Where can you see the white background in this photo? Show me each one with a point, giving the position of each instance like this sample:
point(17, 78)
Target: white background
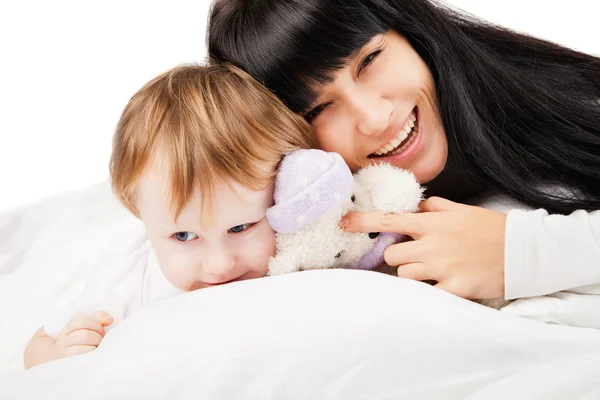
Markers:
point(68, 67)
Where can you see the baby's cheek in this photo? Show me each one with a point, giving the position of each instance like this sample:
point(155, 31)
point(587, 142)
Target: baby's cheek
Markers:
point(181, 278)
point(262, 248)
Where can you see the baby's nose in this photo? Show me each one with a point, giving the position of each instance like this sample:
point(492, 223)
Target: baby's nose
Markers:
point(219, 265)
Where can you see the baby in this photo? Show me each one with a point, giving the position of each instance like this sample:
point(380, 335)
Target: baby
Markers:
point(194, 158)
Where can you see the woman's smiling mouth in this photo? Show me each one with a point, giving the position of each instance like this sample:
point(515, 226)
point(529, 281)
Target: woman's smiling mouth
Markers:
point(403, 139)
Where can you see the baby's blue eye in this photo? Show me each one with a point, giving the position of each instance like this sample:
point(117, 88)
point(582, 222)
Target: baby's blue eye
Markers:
point(185, 236)
point(239, 228)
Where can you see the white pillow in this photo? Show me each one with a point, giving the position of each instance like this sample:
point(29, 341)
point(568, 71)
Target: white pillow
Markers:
point(333, 334)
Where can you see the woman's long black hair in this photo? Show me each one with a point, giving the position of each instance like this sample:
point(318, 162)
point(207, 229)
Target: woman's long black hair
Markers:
point(521, 114)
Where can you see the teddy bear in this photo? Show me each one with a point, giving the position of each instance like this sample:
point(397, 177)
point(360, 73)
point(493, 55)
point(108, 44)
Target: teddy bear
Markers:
point(314, 189)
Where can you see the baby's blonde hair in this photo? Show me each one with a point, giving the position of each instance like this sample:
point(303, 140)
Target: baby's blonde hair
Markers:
point(204, 123)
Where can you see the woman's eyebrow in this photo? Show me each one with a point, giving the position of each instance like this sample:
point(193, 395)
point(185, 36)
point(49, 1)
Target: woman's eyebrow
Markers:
point(382, 38)
point(378, 41)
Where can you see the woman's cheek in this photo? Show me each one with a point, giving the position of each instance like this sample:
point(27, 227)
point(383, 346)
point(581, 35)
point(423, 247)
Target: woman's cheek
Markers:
point(336, 135)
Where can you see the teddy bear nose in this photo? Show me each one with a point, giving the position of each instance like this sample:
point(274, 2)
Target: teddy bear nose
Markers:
point(373, 235)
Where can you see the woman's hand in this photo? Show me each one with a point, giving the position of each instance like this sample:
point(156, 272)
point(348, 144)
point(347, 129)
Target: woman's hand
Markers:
point(461, 247)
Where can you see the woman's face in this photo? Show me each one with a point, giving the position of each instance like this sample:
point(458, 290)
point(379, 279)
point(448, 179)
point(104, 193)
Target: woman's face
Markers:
point(381, 107)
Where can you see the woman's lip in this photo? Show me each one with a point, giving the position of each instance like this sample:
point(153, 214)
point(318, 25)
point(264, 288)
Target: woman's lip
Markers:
point(410, 149)
point(394, 132)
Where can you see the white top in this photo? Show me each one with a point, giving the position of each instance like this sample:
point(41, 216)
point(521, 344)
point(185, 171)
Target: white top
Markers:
point(551, 253)
point(552, 262)
point(126, 279)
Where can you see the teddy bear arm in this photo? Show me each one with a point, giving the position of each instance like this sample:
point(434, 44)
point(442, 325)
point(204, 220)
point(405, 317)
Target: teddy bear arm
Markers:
point(283, 263)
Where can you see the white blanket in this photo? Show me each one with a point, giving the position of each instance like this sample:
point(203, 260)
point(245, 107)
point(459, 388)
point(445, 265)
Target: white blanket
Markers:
point(324, 335)
point(47, 251)
point(312, 335)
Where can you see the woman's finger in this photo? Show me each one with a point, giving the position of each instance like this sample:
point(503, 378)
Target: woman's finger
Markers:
point(402, 253)
point(415, 271)
point(407, 223)
point(450, 287)
point(434, 204)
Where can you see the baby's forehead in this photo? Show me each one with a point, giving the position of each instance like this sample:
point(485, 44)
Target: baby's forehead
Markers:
point(154, 181)
point(230, 199)
point(232, 204)
point(246, 194)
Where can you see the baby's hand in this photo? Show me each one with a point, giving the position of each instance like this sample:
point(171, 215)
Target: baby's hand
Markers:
point(82, 334)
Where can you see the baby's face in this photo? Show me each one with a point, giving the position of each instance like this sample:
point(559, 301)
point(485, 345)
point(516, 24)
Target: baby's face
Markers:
point(195, 252)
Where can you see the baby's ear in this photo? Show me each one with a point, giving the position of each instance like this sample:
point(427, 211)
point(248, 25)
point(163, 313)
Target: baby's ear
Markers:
point(390, 189)
point(282, 263)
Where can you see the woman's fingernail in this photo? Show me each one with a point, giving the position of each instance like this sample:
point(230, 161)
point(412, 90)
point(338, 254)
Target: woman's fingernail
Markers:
point(344, 222)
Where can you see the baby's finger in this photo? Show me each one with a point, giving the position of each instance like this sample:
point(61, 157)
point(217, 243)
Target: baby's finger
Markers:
point(84, 337)
point(84, 322)
point(407, 223)
point(415, 271)
point(75, 350)
point(105, 318)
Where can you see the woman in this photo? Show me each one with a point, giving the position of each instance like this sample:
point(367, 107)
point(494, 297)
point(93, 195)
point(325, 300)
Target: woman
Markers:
point(469, 107)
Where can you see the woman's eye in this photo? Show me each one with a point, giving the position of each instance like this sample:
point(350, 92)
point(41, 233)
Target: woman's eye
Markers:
point(312, 114)
point(367, 60)
point(185, 236)
point(239, 228)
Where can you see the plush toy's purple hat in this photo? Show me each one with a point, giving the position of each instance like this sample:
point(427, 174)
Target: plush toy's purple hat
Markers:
point(309, 183)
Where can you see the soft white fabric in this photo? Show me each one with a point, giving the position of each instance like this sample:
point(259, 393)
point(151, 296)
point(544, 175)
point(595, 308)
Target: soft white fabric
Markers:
point(566, 308)
point(126, 279)
point(333, 334)
point(47, 251)
point(549, 253)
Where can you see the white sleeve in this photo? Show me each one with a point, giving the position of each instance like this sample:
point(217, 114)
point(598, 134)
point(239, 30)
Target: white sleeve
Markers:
point(549, 253)
point(102, 291)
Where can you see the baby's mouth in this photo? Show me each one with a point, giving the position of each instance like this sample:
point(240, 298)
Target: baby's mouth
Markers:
point(403, 139)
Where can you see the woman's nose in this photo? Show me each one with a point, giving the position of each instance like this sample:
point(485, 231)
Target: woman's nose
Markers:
point(372, 114)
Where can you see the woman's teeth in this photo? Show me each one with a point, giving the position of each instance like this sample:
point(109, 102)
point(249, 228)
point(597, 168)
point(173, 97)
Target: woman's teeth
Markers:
point(404, 137)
